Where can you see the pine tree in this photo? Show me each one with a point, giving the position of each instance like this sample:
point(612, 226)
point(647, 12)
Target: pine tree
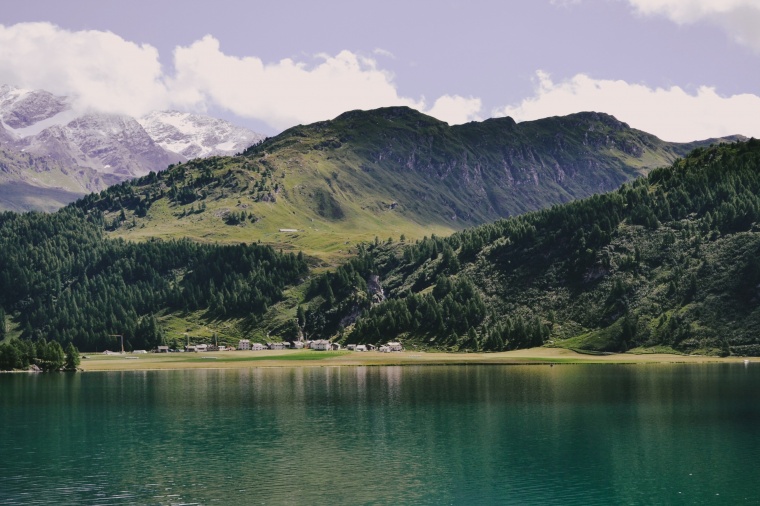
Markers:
point(72, 358)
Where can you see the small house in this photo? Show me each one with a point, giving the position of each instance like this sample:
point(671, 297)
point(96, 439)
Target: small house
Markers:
point(257, 347)
point(395, 346)
point(334, 346)
point(321, 345)
point(361, 347)
point(278, 346)
point(351, 347)
point(201, 347)
point(191, 347)
point(297, 345)
point(162, 349)
point(384, 349)
point(244, 344)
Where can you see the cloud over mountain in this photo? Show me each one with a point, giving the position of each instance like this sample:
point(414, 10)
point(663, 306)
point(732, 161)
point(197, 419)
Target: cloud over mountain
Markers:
point(103, 72)
point(671, 113)
point(99, 70)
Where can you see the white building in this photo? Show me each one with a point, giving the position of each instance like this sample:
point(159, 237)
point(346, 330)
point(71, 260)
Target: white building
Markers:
point(361, 347)
point(244, 344)
point(257, 347)
point(321, 345)
point(395, 346)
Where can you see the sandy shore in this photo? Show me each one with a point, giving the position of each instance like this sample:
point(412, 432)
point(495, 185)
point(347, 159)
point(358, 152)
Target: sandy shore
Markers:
point(309, 358)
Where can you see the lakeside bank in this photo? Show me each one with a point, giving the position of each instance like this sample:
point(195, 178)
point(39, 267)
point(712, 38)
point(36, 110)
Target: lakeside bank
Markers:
point(311, 358)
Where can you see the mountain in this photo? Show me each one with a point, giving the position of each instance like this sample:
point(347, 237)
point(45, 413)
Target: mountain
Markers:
point(20, 108)
point(28, 181)
point(322, 188)
point(670, 261)
point(196, 136)
point(115, 146)
point(73, 154)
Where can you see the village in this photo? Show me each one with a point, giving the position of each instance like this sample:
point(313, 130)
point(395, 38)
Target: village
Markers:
point(318, 345)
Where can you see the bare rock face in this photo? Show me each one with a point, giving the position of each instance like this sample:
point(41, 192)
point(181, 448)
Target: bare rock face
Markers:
point(109, 144)
point(5, 137)
point(23, 108)
point(375, 288)
point(197, 136)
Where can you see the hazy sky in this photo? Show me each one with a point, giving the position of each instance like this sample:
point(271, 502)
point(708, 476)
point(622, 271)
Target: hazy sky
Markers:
point(681, 69)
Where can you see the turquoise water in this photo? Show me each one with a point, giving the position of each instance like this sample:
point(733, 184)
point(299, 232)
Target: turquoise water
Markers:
point(568, 434)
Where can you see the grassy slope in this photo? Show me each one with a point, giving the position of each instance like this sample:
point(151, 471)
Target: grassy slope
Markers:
point(393, 172)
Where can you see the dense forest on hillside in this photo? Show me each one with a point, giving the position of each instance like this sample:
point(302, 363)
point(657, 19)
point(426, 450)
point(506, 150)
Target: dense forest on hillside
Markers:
point(670, 260)
point(64, 281)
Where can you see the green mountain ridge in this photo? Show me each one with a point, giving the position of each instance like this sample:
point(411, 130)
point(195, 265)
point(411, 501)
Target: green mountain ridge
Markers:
point(669, 261)
point(387, 172)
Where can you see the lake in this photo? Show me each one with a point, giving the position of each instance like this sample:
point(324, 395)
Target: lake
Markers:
point(567, 434)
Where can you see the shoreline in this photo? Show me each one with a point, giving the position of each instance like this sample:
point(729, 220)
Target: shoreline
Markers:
point(310, 358)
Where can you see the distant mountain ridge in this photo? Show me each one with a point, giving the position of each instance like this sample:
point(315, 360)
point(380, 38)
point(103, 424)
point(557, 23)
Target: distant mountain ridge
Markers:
point(89, 152)
point(386, 172)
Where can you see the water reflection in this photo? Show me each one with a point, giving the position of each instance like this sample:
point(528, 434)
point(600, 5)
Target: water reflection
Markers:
point(595, 434)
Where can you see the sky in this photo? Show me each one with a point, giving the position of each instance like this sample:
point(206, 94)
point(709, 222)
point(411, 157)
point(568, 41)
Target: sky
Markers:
point(680, 69)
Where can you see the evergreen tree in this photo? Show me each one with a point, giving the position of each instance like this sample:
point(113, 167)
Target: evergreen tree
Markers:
point(72, 358)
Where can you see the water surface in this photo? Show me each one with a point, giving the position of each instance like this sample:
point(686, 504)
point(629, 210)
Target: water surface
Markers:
point(568, 434)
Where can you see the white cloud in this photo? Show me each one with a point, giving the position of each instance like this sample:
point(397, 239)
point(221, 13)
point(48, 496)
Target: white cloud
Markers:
point(456, 110)
point(290, 92)
point(99, 70)
point(282, 93)
point(671, 114)
point(104, 72)
point(740, 18)
point(384, 52)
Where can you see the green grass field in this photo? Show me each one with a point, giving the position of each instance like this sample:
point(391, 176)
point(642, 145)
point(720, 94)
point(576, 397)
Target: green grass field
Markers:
point(311, 358)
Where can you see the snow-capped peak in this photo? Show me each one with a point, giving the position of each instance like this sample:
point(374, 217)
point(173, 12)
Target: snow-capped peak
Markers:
point(195, 135)
point(27, 112)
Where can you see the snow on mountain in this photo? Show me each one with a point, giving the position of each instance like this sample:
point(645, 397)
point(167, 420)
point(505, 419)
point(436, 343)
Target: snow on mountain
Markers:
point(21, 108)
point(109, 144)
point(49, 146)
point(197, 136)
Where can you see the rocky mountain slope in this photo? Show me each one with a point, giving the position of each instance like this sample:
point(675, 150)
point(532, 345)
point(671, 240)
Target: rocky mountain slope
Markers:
point(388, 172)
point(72, 154)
